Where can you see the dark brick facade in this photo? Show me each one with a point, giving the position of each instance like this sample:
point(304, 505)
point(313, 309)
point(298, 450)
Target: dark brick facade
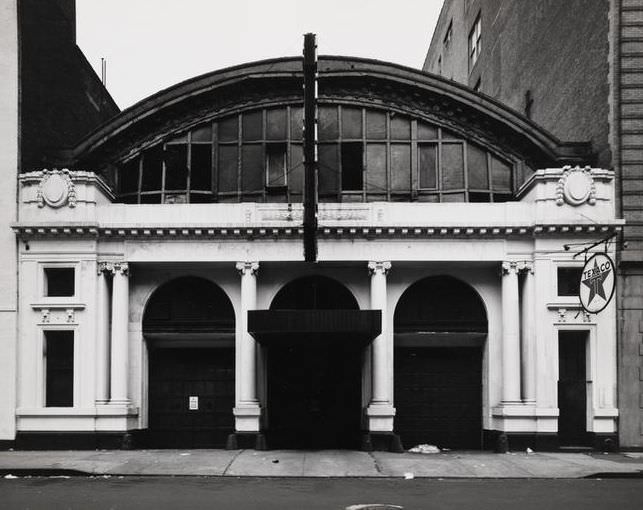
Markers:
point(576, 68)
point(61, 98)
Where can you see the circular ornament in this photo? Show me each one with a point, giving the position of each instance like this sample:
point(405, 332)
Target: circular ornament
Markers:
point(597, 283)
point(56, 189)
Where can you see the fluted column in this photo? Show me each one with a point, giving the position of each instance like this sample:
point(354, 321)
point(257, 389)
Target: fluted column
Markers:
point(381, 410)
point(528, 335)
point(102, 334)
point(247, 412)
point(120, 326)
point(510, 334)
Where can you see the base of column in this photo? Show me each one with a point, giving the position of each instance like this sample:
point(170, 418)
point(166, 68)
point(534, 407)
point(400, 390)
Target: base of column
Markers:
point(380, 417)
point(246, 441)
point(382, 442)
point(247, 418)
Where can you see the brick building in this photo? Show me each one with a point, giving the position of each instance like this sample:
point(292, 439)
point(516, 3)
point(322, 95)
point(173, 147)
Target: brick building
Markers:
point(575, 68)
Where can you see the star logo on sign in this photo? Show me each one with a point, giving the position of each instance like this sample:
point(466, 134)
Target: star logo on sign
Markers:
point(595, 282)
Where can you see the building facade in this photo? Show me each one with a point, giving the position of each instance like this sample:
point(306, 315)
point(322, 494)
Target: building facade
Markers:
point(163, 299)
point(50, 98)
point(579, 79)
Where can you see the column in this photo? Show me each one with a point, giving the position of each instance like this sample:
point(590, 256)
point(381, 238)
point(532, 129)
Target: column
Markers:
point(247, 412)
point(510, 334)
point(102, 334)
point(380, 410)
point(120, 336)
point(528, 335)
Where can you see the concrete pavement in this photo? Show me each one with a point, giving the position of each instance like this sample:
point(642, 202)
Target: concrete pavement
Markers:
point(327, 463)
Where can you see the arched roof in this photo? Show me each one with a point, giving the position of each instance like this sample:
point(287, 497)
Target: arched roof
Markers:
point(361, 81)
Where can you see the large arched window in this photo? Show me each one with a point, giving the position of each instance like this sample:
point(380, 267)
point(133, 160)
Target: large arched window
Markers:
point(364, 154)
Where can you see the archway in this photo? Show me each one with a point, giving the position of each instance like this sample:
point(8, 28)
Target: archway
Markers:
point(189, 328)
point(314, 378)
point(440, 328)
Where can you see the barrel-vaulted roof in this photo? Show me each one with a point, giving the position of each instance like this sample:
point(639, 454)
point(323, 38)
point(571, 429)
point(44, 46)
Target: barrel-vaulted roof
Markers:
point(341, 79)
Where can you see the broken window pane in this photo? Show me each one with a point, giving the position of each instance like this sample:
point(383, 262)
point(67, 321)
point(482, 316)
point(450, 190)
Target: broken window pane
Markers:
point(176, 167)
point(296, 169)
point(276, 164)
point(352, 171)
point(328, 168)
point(152, 169)
point(128, 176)
point(252, 168)
point(201, 167)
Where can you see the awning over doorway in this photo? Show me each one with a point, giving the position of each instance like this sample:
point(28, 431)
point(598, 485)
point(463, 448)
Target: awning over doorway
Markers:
point(276, 326)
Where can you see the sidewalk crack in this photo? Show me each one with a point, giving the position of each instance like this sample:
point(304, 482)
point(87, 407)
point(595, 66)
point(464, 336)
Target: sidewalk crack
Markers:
point(225, 471)
point(378, 468)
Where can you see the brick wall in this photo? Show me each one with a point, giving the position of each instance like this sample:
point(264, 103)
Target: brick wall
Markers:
point(62, 99)
point(628, 81)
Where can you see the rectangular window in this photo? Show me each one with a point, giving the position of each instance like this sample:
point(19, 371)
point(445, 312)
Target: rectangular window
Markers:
point(400, 167)
point(228, 168)
point(59, 368)
point(352, 168)
point(252, 167)
point(448, 35)
point(452, 163)
point(176, 167)
point(128, 176)
point(201, 167)
point(376, 167)
point(59, 281)
point(428, 165)
point(328, 169)
point(475, 42)
point(569, 280)
point(275, 165)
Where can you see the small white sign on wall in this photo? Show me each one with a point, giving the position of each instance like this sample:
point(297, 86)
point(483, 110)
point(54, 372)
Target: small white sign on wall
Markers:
point(193, 403)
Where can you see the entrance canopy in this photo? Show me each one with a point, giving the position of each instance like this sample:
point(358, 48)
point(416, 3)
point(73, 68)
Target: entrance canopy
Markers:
point(279, 326)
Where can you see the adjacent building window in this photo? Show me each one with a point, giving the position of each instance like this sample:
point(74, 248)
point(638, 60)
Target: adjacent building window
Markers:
point(475, 42)
point(448, 35)
point(569, 280)
point(59, 281)
point(59, 368)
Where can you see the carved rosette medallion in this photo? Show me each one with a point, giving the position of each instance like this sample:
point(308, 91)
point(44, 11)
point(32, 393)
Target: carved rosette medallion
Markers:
point(56, 189)
point(576, 186)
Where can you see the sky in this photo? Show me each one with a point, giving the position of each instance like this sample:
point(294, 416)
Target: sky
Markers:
point(150, 45)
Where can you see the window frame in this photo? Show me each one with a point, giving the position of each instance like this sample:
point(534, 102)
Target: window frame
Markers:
point(45, 366)
point(43, 280)
point(474, 45)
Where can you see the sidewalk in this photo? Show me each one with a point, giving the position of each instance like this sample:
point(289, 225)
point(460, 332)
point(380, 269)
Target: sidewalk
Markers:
point(328, 463)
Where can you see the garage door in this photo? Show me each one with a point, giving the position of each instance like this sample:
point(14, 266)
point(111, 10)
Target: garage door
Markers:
point(191, 397)
point(438, 396)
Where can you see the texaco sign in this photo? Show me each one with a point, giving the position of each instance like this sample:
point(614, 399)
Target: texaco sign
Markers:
point(597, 283)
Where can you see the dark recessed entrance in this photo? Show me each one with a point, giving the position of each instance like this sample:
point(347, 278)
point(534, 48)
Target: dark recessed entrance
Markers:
point(440, 329)
point(572, 388)
point(314, 377)
point(189, 328)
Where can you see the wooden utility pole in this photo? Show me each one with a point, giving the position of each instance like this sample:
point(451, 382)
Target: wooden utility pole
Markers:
point(310, 148)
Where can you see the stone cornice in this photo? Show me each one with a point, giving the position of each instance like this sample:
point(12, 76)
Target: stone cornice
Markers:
point(250, 232)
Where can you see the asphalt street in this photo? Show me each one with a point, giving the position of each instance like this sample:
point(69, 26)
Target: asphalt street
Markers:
point(302, 494)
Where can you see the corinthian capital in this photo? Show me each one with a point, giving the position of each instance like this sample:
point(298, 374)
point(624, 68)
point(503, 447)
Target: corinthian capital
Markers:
point(509, 267)
point(379, 267)
point(248, 268)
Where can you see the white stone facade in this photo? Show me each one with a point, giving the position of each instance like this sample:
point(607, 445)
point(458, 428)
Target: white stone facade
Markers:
point(508, 252)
